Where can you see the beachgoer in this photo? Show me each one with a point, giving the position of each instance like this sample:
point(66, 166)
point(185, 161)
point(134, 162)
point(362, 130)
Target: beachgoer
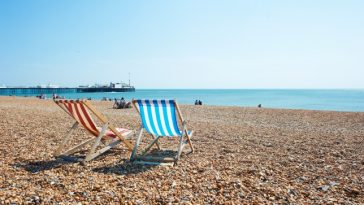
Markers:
point(116, 104)
point(128, 105)
point(200, 102)
point(196, 102)
point(260, 106)
point(122, 103)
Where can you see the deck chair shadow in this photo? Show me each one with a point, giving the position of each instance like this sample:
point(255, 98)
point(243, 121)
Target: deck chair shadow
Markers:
point(108, 135)
point(159, 119)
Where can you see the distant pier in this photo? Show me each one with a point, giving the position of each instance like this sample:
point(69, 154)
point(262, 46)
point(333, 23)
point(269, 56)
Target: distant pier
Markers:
point(34, 91)
point(105, 89)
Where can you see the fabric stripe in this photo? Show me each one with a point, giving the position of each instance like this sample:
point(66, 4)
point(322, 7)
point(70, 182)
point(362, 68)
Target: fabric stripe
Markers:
point(158, 116)
point(68, 108)
point(161, 115)
point(74, 110)
point(82, 120)
point(170, 119)
point(155, 118)
point(143, 113)
point(147, 117)
point(88, 117)
point(84, 116)
point(150, 115)
point(166, 119)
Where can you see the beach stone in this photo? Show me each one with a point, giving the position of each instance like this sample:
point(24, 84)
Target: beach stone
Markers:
point(232, 163)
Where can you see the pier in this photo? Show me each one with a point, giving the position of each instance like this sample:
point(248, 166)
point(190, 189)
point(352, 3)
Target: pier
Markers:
point(105, 89)
point(35, 91)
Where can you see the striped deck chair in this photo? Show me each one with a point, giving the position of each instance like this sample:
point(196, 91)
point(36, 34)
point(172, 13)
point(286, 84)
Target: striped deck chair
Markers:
point(159, 118)
point(79, 111)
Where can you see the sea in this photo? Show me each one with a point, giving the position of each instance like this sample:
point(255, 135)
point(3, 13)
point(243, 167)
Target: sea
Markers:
point(310, 99)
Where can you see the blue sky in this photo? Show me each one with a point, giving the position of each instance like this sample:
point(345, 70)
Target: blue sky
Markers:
point(183, 44)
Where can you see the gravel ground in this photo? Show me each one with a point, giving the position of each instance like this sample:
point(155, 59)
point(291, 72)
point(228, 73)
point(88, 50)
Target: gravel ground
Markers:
point(242, 156)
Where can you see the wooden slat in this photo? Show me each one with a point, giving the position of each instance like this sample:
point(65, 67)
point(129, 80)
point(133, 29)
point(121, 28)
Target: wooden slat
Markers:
point(154, 163)
point(103, 150)
point(149, 146)
point(181, 144)
point(157, 143)
point(66, 139)
point(133, 154)
point(189, 139)
point(77, 147)
point(178, 111)
point(97, 142)
point(159, 159)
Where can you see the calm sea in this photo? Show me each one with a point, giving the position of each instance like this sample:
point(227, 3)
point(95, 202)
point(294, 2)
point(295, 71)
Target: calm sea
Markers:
point(339, 100)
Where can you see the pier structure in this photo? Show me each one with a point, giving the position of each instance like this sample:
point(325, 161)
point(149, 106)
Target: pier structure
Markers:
point(105, 89)
point(35, 91)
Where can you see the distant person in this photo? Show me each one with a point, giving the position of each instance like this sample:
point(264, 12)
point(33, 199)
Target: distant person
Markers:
point(196, 102)
point(122, 103)
point(128, 105)
point(116, 103)
point(260, 106)
point(200, 102)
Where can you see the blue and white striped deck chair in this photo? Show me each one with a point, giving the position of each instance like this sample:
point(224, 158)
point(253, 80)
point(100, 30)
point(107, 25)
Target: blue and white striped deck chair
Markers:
point(159, 118)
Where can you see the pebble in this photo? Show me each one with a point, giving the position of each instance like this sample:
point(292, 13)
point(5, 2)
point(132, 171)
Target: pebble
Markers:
point(242, 156)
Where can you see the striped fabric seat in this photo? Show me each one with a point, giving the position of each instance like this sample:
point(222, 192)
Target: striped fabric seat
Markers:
point(80, 113)
point(77, 110)
point(159, 117)
point(104, 138)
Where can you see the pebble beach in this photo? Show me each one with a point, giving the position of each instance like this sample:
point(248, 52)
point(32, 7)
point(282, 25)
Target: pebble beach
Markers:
point(243, 155)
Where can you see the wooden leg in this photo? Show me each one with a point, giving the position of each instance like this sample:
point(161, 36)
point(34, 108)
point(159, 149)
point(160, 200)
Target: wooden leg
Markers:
point(66, 139)
point(189, 136)
point(133, 154)
point(181, 144)
point(180, 148)
point(101, 151)
point(97, 142)
point(77, 147)
point(149, 146)
point(157, 143)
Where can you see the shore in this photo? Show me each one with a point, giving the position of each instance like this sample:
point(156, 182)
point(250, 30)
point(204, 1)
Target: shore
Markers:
point(242, 155)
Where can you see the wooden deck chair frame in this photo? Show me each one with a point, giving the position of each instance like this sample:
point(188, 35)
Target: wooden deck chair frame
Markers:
point(185, 138)
point(96, 140)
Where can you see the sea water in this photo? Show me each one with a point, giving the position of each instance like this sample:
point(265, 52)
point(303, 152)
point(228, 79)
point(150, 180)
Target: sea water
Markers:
point(313, 99)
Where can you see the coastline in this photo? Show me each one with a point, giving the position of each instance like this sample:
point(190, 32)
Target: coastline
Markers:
point(243, 155)
point(184, 104)
point(300, 99)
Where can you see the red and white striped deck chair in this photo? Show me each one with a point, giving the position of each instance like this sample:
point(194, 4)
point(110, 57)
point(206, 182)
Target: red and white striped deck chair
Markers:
point(79, 110)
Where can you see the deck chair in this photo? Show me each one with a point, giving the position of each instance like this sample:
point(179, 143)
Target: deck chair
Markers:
point(107, 134)
point(159, 119)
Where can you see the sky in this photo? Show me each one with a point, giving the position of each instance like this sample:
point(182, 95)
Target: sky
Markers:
point(183, 44)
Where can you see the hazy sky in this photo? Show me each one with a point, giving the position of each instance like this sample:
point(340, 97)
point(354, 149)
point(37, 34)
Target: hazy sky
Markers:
point(183, 44)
